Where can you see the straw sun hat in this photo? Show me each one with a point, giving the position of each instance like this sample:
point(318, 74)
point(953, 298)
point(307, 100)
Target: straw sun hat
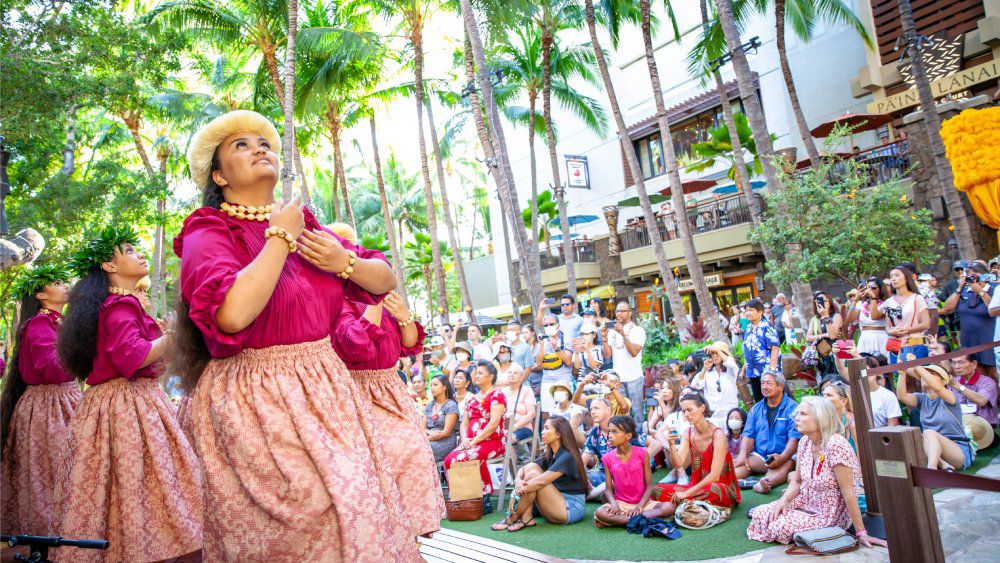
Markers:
point(208, 138)
point(720, 347)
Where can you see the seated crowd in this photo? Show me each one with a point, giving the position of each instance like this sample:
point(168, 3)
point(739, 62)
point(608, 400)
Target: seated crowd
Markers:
point(717, 422)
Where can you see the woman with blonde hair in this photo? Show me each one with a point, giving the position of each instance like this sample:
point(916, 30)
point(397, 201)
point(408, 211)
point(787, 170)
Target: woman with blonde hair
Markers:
point(839, 394)
point(822, 491)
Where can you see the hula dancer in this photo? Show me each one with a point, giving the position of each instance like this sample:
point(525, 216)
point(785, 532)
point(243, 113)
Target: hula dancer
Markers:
point(129, 474)
point(371, 343)
point(291, 473)
point(37, 403)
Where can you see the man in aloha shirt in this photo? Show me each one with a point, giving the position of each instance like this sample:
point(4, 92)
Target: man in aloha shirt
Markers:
point(761, 347)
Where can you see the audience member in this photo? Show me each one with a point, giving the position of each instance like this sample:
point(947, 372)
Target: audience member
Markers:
point(522, 352)
point(717, 382)
point(945, 443)
point(628, 479)
point(907, 319)
point(666, 424)
point(770, 437)
point(704, 448)
point(503, 358)
point(461, 358)
point(441, 416)
point(461, 380)
point(761, 349)
point(587, 355)
point(735, 421)
point(530, 339)
point(555, 484)
point(822, 491)
point(824, 331)
point(596, 445)
point(520, 403)
point(839, 395)
point(977, 393)
point(605, 385)
point(564, 407)
point(480, 350)
point(971, 303)
point(623, 344)
point(482, 432)
point(555, 359)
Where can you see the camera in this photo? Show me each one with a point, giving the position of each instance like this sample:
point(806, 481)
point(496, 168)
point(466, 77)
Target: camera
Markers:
point(972, 277)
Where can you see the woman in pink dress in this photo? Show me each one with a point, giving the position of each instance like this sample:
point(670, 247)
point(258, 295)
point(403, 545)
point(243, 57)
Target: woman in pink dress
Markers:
point(822, 490)
point(128, 473)
point(483, 435)
point(38, 400)
point(293, 471)
point(371, 339)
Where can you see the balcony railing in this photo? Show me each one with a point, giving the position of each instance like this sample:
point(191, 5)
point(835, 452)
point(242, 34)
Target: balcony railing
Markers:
point(883, 163)
point(708, 216)
point(583, 251)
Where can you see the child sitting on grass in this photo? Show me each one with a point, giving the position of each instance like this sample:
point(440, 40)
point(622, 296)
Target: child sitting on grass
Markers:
point(628, 477)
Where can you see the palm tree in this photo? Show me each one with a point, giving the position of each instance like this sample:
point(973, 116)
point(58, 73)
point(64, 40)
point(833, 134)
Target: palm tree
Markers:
point(932, 122)
point(397, 259)
point(673, 295)
point(495, 146)
point(419, 260)
point(758, 126)
point(719, 146)
point(707, 305)
point(531, 75)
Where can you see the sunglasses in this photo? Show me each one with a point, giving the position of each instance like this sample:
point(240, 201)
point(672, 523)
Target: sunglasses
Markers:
point(550, 324)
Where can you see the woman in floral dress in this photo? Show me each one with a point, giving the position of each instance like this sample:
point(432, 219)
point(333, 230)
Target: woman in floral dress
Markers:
point(822, 490)
point(483, 436)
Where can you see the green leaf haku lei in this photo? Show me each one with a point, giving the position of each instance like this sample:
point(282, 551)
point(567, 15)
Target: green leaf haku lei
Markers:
point(102, 249)
point(34, 279)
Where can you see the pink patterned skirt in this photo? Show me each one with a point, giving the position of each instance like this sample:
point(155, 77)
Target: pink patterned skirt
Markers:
point(291, 471)
point(184, 418)
point(398, 427)
point(38, 430)
point(128, 476)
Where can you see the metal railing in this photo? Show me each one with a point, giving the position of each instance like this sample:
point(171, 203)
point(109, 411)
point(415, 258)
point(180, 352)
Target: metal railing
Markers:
point(706, 217)
point(583, 251)
point(883, 163)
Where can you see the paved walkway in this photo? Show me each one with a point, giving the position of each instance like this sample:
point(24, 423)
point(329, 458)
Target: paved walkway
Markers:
point(969, 521)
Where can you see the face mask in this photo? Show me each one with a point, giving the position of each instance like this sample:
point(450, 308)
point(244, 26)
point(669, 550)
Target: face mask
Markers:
point(512, 335)
point(504, 358)
point(735, 424)
point(551, 331)
point(560, 396)
point(462, 356)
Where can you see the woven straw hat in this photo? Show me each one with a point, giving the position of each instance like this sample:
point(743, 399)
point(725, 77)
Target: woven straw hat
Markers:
point(208, 138)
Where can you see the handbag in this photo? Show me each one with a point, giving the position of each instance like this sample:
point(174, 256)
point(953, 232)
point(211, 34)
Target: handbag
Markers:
point(810, 358)
point(700, 515)
point(823, 541)
point(893, 345)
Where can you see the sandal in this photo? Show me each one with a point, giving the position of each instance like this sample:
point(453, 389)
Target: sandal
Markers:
point(521, 524)
point(500, 526)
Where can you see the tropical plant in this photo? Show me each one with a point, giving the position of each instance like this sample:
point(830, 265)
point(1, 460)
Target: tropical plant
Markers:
point(719, 147)
point(548, 211)
point(418, 263)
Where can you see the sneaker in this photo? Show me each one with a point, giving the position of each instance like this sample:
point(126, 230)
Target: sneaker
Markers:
point(683, 480)
point(670, 479)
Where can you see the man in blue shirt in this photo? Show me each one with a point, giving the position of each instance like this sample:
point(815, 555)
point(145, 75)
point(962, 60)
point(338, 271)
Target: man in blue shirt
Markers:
point(761, 348)
point(769, 436)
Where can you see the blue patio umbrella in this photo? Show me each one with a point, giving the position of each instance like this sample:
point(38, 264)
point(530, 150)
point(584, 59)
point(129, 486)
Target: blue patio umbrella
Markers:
point(575, 220)
point(571, 236)
point(756, 185)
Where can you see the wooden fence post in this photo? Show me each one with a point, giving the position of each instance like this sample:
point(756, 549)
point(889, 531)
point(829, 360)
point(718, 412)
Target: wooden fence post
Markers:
point(862, 403)
point(910, 516)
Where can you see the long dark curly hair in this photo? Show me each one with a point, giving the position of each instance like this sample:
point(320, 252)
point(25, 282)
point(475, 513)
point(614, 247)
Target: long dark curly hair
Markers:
point(77, 342)
point(190, 355)
point(13, 384)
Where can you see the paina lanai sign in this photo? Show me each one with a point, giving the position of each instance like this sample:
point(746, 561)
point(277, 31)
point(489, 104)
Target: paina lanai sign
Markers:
point(951, 84)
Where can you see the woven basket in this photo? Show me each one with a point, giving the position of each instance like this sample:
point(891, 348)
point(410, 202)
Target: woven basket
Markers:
point(464, 510)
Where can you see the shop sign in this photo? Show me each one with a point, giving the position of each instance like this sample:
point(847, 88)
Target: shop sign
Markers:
point(951, 84)
point(577, 173)
point(711, 280)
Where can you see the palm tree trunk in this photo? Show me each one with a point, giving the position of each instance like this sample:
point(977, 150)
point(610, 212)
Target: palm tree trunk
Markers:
point(158, 293)
point(673, 295)
point(497, 155)
point(709, 311)
point(271, 62)
point(512, 280)
point(532, 98)
point(793, 96)
point(416, 39)
point(550, 139)
point(762, 138)
point(397, 258)
point(69, 149)
point(133, 122)
point(932, 122)
point(340, 170)
point(430, 294)
point(333, 194)
point(301, 176)
point(288, 103)
point(742, 177)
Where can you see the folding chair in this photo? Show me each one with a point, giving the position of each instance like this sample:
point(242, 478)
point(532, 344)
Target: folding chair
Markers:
point(510, 462)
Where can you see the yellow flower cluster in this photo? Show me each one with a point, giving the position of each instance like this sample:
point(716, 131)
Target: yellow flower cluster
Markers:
point(972, 143)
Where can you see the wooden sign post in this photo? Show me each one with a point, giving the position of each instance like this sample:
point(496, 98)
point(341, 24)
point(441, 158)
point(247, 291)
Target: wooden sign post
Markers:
point(861, 401)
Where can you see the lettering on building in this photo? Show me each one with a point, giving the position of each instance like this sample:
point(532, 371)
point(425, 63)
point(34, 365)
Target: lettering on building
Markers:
point(951, 84)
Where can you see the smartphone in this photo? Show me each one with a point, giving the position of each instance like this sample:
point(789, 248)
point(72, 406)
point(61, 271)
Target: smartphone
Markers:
point(427, 357)
point(609, 324)
point(550, 301)
point(769, 460)
point(988, 278)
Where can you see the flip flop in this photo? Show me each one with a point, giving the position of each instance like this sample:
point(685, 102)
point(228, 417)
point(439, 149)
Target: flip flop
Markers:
point(521, 524)
point(500, 526)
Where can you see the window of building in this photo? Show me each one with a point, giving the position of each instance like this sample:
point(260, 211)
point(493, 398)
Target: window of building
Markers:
point(685, 134)
point(650, 153)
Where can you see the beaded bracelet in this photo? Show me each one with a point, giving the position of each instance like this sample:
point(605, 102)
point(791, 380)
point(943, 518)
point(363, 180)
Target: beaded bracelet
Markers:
point(352, 259)
point(293, 246)
point(407, 322)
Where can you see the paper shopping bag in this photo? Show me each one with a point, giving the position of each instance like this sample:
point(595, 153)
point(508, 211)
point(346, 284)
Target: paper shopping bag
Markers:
point(463, 480)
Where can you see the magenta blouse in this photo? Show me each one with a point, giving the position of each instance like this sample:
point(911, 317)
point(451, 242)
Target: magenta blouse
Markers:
point(37, 361)
point(125, 334)
point(363, 345)
point(214, 247)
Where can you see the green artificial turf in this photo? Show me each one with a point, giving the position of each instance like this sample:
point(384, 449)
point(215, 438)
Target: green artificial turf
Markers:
point(584, 541)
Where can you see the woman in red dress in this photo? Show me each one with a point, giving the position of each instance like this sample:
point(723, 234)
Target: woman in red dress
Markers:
point(128, 474)
point(704, 446)
point(292, 469)
point(483, 435)
point(37, 403)
point(371, 339)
